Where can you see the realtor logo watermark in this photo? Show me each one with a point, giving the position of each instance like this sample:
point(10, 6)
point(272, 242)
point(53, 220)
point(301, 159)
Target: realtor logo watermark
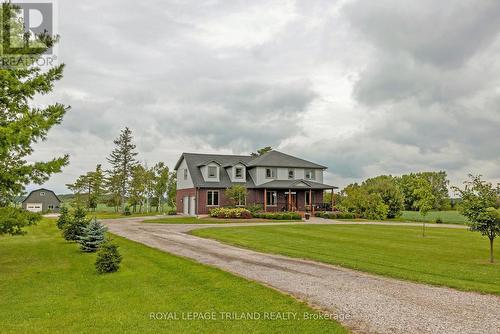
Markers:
point(24, 23)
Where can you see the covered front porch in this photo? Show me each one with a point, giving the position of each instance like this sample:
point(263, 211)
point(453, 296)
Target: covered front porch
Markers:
point(302, 196)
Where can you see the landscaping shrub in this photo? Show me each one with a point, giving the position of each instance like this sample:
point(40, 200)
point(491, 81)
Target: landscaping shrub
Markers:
point(254, 209)
point(108, 258)
point(12, 220)
point(439, 221)
point(172, 212)
point(93, 236)
point(234, 213)
point(336, 215)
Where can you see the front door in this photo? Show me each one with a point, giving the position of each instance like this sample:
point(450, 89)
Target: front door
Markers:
point(291, 199)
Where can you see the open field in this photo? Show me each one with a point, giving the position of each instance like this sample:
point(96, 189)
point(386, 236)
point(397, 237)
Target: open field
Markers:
point(448, 217)
point(194, 220)
point(451, 257)
point(47, 285)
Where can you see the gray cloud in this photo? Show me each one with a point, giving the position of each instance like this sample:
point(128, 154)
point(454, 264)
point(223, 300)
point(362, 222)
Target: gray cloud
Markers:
point(365, 87)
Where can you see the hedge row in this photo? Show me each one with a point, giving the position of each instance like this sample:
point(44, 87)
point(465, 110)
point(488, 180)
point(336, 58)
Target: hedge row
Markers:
point(336, 215)
point(278, 215)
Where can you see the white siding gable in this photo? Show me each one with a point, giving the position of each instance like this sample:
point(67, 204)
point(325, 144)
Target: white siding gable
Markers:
point(231, 171)
point(205, 172)
point(181, 182)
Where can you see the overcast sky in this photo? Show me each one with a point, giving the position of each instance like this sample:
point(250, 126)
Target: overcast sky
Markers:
point(364, 87)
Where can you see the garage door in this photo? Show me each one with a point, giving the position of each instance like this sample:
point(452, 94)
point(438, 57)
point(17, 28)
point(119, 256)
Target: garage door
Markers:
point(185, 205)
point(192, 205)
point(34, 207)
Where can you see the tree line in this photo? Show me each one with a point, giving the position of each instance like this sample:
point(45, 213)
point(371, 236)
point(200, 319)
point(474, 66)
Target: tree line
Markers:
point(127, 183)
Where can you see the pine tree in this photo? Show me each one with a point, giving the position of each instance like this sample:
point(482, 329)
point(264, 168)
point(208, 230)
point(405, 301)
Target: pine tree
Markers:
point(22, 123)
point(74, 228)
point(108, 259)
point(122, 160)
point(64, 218)
point(93, 235)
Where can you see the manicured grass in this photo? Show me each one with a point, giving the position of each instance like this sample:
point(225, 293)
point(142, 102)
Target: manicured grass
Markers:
point(48, 286)
point(194, 220)
point(456, 258)
point(448, 217)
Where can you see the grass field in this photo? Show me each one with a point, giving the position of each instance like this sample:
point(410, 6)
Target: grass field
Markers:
point(194, 220)
point(448, 217)
point(452, 257)
point(48, 286)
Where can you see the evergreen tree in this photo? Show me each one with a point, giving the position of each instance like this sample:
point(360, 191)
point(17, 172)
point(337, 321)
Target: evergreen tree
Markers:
point(64, 218)
point(73, 230)
point(108, 258)
point(22, 123)
point(97, 186)
point(122, 160)
point(93, 235)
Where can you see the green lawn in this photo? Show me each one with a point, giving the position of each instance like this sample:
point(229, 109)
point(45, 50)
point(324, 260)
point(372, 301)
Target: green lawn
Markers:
point(448, 217)
point(194, 220)
point(453, 257)
point(48, 286)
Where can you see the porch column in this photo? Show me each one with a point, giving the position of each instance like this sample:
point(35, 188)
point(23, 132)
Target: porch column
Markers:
point(289, 200)
point(265, 200)
point(310, 200)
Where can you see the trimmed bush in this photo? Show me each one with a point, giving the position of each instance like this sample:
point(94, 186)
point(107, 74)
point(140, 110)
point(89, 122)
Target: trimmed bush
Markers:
point(233, 213)
point(336, 215)
point(172, 212)
point(108, 259)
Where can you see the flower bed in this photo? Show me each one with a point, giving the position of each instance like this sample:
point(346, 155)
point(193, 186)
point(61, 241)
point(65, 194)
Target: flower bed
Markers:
point(234, 213)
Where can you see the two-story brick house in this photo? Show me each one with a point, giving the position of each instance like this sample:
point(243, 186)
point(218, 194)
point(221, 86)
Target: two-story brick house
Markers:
point(274, 180)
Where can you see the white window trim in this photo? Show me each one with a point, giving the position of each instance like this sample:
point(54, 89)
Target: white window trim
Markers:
point(236, 174)
point(218, 198)
point(267, 197)
point(312, 175)
point(244, 201)
point(208, 172)
point(273, 173)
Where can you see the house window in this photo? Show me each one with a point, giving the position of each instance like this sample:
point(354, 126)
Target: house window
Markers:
point(291, 174)
point(42, 193)
point(212, 172)
point(185, 174)
point(242, 200)
point(271, 198)
point(309, 174)
point(238, 173)
point(270, 173)
point(212, 198)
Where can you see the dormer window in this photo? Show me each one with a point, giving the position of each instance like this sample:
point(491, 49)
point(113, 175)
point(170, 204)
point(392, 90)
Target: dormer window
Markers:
point(270, 173)
point(309, 173)
point(212, 172)
point(291, 174)
point(238, 173)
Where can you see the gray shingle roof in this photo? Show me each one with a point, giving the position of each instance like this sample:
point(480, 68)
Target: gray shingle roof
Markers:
point(296, 184)
point(195, 160)
point(270, 159)
point(278, 159)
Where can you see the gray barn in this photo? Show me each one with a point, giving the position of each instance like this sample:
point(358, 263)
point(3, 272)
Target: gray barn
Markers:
point(41, 200)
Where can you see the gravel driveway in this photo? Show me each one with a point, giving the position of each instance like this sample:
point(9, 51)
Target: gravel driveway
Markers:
point(366, 303)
